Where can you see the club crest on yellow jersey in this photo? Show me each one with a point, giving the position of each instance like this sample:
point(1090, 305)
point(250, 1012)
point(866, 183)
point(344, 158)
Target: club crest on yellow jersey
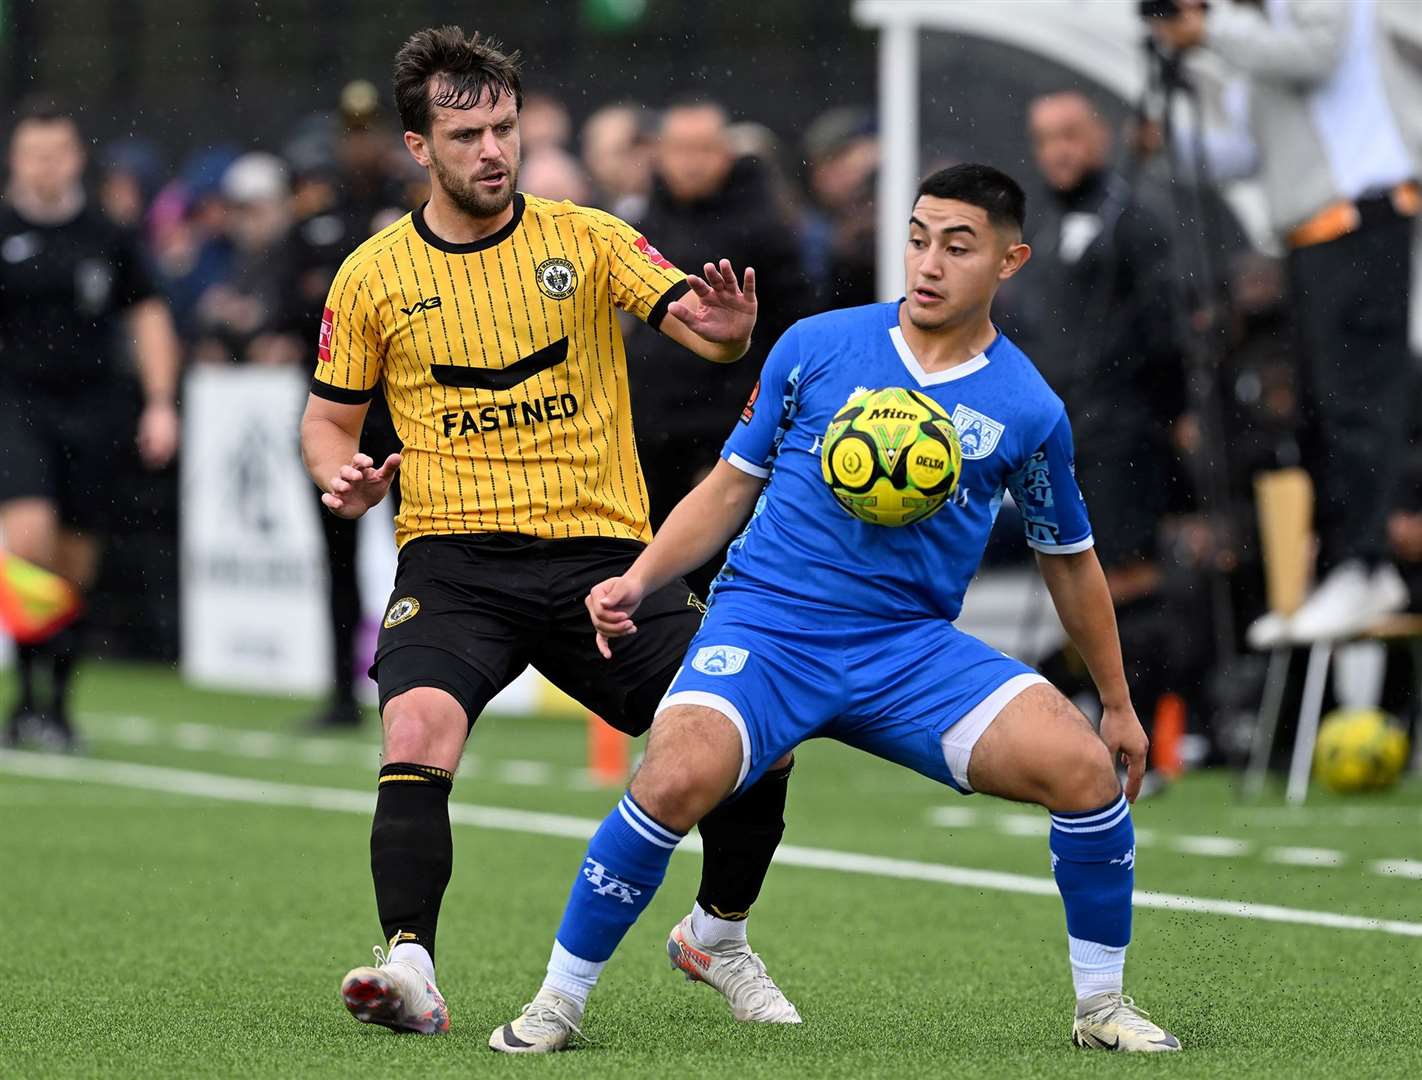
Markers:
point(557, 278)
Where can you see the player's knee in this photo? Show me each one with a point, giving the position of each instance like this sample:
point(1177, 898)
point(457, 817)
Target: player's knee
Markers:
point(426, 726)
point(1086, 780)
point(676, 793)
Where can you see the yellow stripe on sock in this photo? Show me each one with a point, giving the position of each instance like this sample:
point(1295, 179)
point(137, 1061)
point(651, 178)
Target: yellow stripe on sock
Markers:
point(405, 776)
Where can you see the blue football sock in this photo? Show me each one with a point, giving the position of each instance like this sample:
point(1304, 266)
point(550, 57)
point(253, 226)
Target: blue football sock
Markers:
point(626, 861)
point(1093, 860)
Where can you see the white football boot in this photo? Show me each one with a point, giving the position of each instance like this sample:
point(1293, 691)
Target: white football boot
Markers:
point(735, 972)
point(1348, 601)
point(546, 1025)
point(1111, 1021)
point(395, 994)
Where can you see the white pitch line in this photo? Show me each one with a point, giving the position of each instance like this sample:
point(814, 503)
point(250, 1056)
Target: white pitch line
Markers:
point(1305, 856)
point(266, 793)
point(1408, 868)
point(1223, 847)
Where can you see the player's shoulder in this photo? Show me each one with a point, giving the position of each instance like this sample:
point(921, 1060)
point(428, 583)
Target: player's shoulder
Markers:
point(573, 215)
point(1022, 386)
point(364, 261)
point(841, 326)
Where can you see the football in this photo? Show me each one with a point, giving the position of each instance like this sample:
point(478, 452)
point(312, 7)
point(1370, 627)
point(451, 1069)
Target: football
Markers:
point(891, 457)
point(1359, 750)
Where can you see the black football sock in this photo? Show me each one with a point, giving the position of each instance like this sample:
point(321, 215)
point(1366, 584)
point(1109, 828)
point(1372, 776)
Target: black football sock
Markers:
point(738, 840)
point(411, 851)
point(27, 660)
point(64, 650)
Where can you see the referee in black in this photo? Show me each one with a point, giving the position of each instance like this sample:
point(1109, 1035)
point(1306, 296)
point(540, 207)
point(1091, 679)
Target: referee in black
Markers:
point(73, 291)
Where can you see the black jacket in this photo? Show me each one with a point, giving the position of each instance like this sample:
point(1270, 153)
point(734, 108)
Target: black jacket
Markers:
point(675, 394)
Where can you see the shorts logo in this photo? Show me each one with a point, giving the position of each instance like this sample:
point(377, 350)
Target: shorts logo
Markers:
point(655, 257)
point(557, 278)
point(720, 660)
point(323, 344)
point(978, 434)
point(694, 601)
point(403, 610)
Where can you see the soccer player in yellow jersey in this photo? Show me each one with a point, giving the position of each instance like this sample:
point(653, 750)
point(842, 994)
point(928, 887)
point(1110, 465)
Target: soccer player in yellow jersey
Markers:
point(488, 318)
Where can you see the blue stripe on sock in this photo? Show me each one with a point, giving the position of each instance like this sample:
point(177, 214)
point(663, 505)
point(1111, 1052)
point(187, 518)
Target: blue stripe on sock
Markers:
point(651, 822)
point(1085, 817)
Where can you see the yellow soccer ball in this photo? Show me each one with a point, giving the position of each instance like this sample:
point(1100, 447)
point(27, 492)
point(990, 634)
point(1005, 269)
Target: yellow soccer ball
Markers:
point(1359, 750)
point(891, 457)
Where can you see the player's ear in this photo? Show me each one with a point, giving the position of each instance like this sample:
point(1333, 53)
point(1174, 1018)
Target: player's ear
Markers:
point(1013, 260)
point(418, 147)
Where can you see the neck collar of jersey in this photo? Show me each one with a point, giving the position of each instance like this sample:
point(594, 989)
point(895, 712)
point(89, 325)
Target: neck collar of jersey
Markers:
point(936, 378)
point(428, 235)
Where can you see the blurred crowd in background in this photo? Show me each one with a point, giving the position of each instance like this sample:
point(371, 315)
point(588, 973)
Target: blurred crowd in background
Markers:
point(1173, 344)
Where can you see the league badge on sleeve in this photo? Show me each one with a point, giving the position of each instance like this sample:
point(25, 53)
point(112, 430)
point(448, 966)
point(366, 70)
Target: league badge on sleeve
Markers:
point(323, 344)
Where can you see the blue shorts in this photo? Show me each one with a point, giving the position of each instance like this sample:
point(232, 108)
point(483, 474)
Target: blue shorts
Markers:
point(917, 692)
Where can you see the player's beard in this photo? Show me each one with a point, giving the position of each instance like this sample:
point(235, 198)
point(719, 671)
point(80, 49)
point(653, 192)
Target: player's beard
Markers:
point(466, 194)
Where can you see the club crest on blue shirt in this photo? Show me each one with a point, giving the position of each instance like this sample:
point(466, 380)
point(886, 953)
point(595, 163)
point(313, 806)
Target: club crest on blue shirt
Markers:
point(977, 434)
point(719, 660)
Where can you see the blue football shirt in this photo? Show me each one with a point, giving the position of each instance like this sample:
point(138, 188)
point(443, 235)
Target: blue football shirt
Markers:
point(802, 549)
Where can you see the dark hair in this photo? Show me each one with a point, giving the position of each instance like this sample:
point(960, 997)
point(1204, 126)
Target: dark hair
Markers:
point(981, 186)
point(468, 68)
point(42, 109)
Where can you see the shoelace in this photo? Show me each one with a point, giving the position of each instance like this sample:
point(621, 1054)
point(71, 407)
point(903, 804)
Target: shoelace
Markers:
point(380, 958)
point(1134, 1018)
point(746, 971)
point(540, 1018)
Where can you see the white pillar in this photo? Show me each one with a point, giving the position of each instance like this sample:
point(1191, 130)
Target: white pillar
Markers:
point(898, 151)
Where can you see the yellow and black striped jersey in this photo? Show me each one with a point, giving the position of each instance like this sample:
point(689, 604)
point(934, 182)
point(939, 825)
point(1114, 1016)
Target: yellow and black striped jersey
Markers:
point(503, 365)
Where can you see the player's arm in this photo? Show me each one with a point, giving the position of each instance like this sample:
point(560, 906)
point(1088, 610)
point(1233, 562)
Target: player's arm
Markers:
point(350, 481)
point(716, 317)
point(349, 358)
point(700, 526)
point(1054, 515)
point(159, 357)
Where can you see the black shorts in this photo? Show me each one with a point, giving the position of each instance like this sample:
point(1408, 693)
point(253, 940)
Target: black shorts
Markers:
point(469, 613)
point(63, 448)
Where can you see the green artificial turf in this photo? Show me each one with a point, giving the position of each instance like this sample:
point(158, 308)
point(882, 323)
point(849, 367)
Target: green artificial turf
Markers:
point(162, 934)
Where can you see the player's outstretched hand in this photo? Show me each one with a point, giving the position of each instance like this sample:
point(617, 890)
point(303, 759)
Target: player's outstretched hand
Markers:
point(611, 604)
point(359, 485)
point(726, 311)
point(1125, 738)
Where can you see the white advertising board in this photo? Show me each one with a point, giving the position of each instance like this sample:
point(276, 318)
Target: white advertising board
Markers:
point(253, 574)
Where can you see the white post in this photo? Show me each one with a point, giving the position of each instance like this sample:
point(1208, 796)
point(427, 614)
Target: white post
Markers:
point(898, 150)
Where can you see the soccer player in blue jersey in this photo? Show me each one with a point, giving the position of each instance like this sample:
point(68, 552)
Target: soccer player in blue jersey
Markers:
point(823, 625)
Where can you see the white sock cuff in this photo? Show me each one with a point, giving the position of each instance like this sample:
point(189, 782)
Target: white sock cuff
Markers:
point(1095, 957)
point(570, 975)
point(711, 930)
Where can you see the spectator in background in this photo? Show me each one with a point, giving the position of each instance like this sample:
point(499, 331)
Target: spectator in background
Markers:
point(703, 199)
point(1097, 309)
point(188, 225)
point(70, 282)
point(130, 175)
point(239, 319)
point(1331, 105)
point(617, 152)
point(544, 124)
point(843, 154)
point(553, 173)
point(344, 200)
